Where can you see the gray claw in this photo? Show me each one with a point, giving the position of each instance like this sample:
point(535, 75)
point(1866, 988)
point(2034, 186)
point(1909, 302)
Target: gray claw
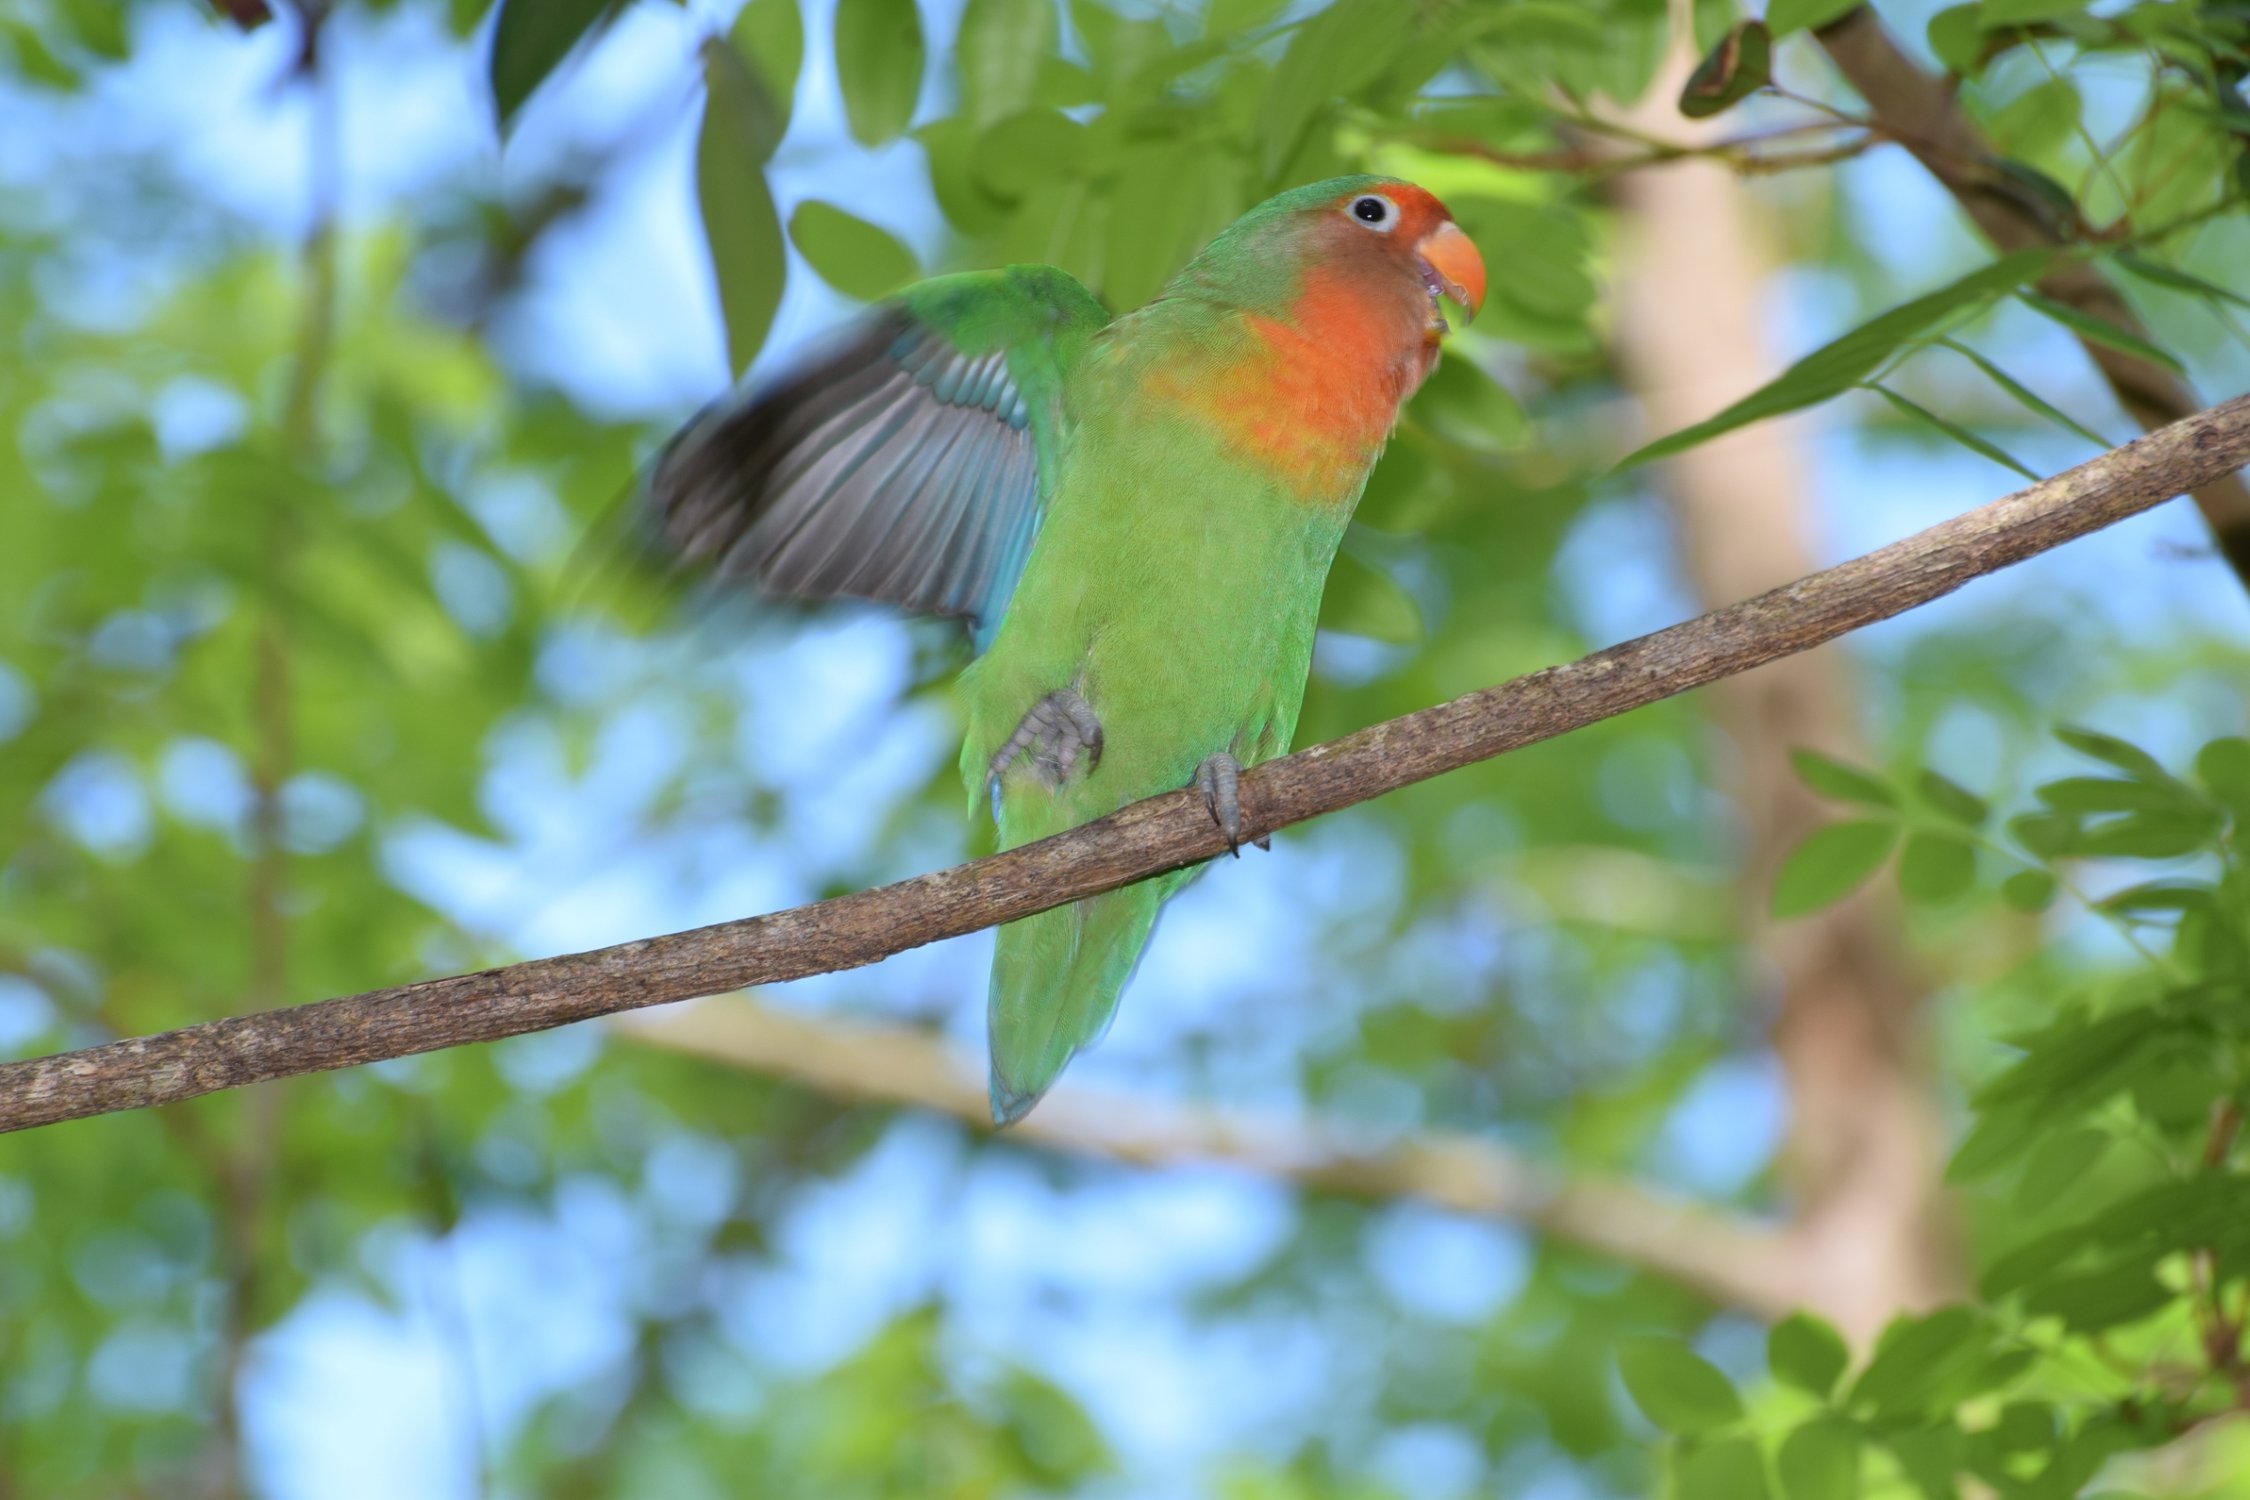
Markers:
point(1219, 778)
point(1059, 728)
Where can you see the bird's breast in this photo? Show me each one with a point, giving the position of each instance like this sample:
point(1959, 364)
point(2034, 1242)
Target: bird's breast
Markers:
point(1311, 396)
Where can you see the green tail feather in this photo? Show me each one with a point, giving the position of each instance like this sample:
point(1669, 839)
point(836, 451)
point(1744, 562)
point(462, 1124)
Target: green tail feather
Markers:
point(1055, 982)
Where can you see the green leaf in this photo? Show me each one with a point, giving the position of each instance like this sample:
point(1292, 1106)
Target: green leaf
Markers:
point(529, 41)
point(2025, 1427)
point(2046, 835)
point(1786, 16)
point(2059, 1163)
point(2160, 895)
point(1806, 1352)
point(1464, 405)
point(1676, 1388)
point(2099, 331)
point(1957, 37)
point(2176, 279)
point(1362, 599)
point(951, 145)
point(1936, 867)
point(2099, 1300)
point(769, 35)
point(2110, 794)
point(997, 53)
point(740, 223)
point(2076, 1064)
point(1334, 52)
point(2031, 400)
point(1839, 782)
point(1164, 200)
point(1839, 366)
point(2033, 1261)
point(2029, 890)
point(1820, 1461)
point(2034, 124)
point(1030, 149)
point(37, 62)
point(879, 61)
point(1712, 19)
point(1544, 23)
point(2150, 835)
point(1952, 800)
point(1915, 1355)
point(2223, 766)
point(1548, 294)
point(1224, 17)
point(1929, 1456)
point(1731, 72)
point(1998, 13)
point(2126, 757)
point(1999, 1137)
point(1731, 1469)
point(1830, 864)
point(855, 257)
point(2178, 1091)
point(1954, 430)
point(2033, 188)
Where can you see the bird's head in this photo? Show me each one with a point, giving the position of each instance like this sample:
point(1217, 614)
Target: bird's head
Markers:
point(1352, 247)
point(1386, 230)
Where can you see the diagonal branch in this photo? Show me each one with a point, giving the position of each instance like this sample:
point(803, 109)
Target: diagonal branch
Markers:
point(1148, 838)
point(1735, 1261)
point(1924, 114)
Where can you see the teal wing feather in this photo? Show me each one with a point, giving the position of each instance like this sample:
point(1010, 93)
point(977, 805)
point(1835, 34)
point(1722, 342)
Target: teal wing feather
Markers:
point(911, 463)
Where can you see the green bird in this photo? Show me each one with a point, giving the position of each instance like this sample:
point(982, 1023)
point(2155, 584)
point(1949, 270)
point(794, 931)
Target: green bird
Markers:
point(1136, 515)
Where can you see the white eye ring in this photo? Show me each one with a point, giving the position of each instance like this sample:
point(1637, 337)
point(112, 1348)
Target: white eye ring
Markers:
point(1373, 211)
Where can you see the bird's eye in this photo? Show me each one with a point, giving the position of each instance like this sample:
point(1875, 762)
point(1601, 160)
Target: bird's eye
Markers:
point(1374, 212)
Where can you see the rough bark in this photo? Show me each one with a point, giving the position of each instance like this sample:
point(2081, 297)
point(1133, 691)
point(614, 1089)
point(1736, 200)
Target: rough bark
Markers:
point(1863, 1147)
point(1148, 838)
point(1924, 114)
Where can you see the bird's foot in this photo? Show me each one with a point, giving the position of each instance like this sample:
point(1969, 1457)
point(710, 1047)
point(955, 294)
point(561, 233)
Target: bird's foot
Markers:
point(1060, 728)
point(1219, 779)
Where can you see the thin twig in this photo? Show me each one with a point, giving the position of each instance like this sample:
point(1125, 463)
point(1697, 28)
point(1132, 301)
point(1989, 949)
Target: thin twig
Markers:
point(1742, 154)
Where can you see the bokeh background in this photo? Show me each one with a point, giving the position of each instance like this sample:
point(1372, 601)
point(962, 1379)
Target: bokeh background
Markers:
point(326, 662)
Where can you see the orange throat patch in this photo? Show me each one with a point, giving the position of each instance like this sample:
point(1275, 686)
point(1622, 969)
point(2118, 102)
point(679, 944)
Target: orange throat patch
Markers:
point(1316, 396)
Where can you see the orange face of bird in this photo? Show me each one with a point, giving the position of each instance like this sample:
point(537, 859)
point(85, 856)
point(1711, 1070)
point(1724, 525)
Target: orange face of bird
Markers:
point(1408, 228)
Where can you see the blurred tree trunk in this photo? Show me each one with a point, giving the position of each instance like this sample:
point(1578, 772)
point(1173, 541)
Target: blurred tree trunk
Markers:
point(1863, 1157)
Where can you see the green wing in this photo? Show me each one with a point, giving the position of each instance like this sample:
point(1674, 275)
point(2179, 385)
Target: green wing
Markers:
point(911, 463)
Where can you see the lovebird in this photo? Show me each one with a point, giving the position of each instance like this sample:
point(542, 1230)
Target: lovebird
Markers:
point(1135, 515)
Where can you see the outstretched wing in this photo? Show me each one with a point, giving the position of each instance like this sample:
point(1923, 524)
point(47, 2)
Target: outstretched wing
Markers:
point(909, 464)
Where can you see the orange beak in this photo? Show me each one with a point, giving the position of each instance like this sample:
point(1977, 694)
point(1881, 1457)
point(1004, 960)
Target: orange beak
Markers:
point(1451, 266)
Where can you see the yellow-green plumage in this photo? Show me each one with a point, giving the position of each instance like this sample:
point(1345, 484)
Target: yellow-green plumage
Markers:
point(1139, 512)
point(1174, 587)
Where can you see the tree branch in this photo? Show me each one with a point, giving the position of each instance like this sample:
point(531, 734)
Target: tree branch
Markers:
point(1736, 1262)
point(1924, 115)
point(1148, 838)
